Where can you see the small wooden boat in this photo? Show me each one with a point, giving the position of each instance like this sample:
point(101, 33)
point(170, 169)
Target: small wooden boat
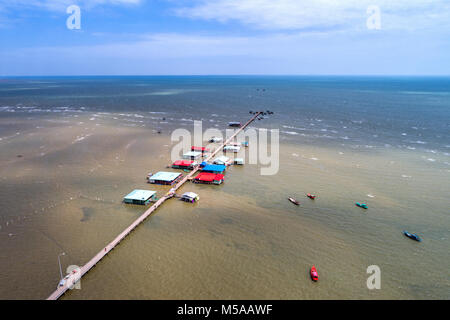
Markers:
point(314, 274)
point(294, 201)
point(361, 205)
point(311, 196)
point(412, 236)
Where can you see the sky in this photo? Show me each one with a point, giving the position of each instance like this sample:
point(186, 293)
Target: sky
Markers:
point(219, 37)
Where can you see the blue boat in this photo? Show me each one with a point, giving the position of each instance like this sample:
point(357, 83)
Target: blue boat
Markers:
point(362, 205)
point(412, 236)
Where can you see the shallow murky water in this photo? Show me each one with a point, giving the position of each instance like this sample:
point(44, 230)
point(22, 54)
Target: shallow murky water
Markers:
point(63, 178)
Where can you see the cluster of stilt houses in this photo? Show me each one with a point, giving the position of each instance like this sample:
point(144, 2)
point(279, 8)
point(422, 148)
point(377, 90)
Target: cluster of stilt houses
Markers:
point(212, 172)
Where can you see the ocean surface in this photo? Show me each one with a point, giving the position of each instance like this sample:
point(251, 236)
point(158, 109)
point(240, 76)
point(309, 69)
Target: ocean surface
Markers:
point(72, 147)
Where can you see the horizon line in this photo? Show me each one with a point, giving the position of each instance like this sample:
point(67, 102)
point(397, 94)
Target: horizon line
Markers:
point(229, 75)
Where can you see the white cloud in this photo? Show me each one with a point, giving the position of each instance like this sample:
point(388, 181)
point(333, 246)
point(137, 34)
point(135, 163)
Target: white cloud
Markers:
point(321, 14)
point(11, 9)
point(61, 5)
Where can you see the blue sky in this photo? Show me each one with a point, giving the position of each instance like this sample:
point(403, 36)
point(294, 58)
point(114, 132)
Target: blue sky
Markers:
point(152, 37)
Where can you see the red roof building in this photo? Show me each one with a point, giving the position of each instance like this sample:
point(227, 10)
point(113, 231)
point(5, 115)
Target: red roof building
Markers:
point(183, 164)
point(208, 177)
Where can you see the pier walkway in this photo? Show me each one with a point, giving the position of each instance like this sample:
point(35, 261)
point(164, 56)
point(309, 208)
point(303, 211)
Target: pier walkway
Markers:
point(78, 274)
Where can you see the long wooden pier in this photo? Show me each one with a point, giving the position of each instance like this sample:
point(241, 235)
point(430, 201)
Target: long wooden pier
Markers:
point(78, 274)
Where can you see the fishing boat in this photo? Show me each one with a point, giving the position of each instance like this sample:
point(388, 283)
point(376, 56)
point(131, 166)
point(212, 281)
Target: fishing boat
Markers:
point(362, 205)
point(294, 201)
point(314, 274)
point(234, 124)
point(311, 196)
point(412, 236)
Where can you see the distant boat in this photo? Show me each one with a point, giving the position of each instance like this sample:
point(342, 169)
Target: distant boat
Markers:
point(314, 274)
point(412, 236)
point(234, 124)
point(294, 201)
point(362, 205)
point(311, 196)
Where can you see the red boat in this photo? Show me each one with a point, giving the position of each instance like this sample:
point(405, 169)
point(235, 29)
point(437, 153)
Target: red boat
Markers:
point(314, 274)
point(311, 196)
point(294, 201)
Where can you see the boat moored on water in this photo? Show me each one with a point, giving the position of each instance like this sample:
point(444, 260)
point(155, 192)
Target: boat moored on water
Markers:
point(311, 196)
point(412, 236)
point(234, 124)
point(362, 205)
point(314, 274)
point(294, 201)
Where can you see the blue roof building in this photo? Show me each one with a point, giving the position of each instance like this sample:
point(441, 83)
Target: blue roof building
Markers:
point(214, 168)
